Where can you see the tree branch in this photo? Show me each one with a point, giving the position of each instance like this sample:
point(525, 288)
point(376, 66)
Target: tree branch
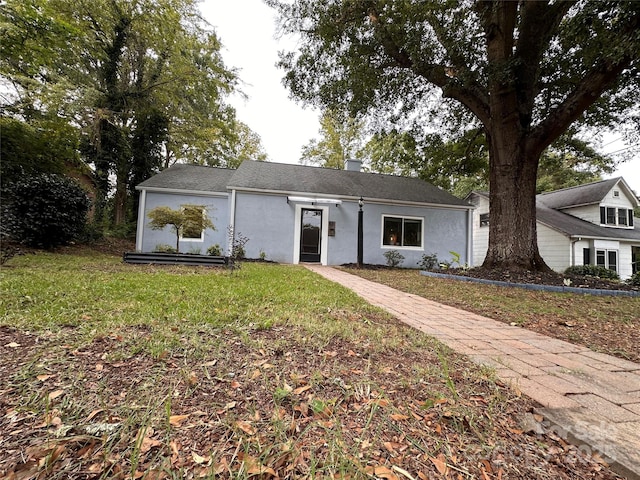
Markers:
point(471, 95)
point(594, 84)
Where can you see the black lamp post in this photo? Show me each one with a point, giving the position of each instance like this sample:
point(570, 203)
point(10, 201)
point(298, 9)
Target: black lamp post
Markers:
point(360, 232)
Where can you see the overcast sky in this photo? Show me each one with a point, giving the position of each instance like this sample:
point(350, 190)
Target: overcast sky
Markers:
point(247, 31)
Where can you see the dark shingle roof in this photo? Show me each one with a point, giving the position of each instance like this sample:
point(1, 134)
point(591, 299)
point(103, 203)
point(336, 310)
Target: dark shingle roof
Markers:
point(190, 178)
point(577, 227)
point(587, 194)
point(302, 179)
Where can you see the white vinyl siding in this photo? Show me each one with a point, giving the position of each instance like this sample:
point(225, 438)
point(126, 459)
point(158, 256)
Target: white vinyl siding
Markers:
point(554, 248)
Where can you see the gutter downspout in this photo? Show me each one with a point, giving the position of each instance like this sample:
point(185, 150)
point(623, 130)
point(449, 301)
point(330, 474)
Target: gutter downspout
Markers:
point(232, 222)
point(141, 219)
point(470, 237)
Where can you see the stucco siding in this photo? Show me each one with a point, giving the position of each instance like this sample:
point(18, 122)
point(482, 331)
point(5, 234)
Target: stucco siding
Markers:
point(554, 248)
point(216, 209)
point(269, 222)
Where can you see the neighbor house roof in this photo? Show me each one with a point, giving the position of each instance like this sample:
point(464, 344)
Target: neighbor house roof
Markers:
point(190, 178)
point(573, 226)
point(576, 227)
point(300, 179)
point(287, 178)
point(586, 194)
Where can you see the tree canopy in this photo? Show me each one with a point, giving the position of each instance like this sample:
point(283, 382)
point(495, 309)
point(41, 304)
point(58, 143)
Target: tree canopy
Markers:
point(523, 72)
point(142, 81)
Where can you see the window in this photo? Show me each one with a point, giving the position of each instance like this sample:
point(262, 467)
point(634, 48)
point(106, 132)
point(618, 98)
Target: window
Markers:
point(616, 193)
point(616, 216)
point(402, 231)
point(607, 259)
point(192, 228)
point(484, 219)
point(622, 216)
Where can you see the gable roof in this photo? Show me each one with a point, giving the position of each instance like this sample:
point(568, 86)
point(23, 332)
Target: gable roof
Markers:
point(586, 194)
point(573, 226)
point(576, 227)
point(189, 178)
point(288, 178)
point(299, 179)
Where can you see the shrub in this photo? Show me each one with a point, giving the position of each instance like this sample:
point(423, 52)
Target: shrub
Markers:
point(634, 280)
point(45, 210)
point(593, 271)
point(429, 262)
point(394, 258)
point(214, 250)
point(164, 248)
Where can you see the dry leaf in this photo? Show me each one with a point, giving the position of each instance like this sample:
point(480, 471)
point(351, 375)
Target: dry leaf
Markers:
point(440, 463)
point(235, 384)
point(300, 390)
point(398, 417)
point(12, 345)
point(176, 420)
point(381, 472)
point(99, 367)
point(198, 459)
point(55, 394)
point(42, 378)
point(246, 427)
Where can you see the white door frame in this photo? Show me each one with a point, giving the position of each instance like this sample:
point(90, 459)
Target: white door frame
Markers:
point(324, 246)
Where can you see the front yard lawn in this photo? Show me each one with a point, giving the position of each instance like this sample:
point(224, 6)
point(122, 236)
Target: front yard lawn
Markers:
point(605, 324)
point(119, 371)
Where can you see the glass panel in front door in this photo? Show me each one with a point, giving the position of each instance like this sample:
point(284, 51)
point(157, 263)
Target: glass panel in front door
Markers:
point(311, 236)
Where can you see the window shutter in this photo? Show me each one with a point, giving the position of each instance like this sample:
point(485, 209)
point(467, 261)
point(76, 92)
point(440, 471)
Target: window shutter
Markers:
point(630, 217)
point(603, 216)
point(586, 256)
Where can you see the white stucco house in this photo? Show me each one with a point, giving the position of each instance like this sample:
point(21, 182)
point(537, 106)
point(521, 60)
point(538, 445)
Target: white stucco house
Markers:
point(590, 224)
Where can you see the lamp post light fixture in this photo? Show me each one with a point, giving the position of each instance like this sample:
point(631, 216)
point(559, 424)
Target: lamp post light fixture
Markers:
point(360, 232)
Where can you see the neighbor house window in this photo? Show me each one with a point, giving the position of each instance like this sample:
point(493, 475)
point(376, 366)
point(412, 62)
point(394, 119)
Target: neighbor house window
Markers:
point(484, 219)
point(607, 259)
point(193, 228)
point(616, 216)
point(401, 231)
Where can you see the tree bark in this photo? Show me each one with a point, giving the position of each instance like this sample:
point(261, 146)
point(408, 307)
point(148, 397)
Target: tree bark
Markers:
point(513, 242)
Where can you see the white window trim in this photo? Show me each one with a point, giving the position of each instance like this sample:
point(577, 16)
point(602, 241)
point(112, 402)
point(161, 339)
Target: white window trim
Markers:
point(617, 217)
point(401, 247)
point(193, 239)
point(606, 258)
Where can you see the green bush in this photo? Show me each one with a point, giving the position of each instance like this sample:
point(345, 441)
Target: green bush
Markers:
point(394, 258)
point(593, 271)
point(45, 210)
point(634, 280)
point(214, 250)
point(164, 248)
point(429, 262)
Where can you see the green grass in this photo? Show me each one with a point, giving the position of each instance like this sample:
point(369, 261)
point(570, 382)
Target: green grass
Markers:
point(99, 296)
point(604, 323)
point(172, 372)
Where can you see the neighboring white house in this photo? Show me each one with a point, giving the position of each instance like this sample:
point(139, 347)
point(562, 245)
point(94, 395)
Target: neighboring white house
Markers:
point(590, 224)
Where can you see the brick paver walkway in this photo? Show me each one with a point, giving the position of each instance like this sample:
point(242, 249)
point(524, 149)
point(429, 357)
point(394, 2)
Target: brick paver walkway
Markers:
point(589, 398)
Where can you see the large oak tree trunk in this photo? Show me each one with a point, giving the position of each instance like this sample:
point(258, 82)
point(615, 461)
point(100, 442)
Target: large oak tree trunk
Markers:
point(513, 242)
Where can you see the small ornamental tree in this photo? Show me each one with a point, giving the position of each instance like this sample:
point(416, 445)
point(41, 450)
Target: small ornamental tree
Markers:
point(188, 219)
point(45, 210)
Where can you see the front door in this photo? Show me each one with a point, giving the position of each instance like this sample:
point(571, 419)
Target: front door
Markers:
point(310, 235)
